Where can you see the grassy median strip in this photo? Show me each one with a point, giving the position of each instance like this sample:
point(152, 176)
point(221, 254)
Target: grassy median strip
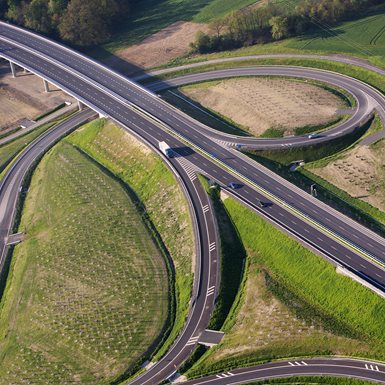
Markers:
point(9, 150)
point(292, 304)
point(88, 289)
point(165, 205)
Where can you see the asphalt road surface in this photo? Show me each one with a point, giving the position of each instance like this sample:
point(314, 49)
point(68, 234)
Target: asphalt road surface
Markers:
point(153, 120)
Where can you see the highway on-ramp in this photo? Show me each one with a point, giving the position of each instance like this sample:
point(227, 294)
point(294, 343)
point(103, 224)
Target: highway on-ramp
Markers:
point(342, 240)
point(335, 367)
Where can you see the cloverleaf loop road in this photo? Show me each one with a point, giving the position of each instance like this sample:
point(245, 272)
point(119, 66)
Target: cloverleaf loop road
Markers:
point(139, 110)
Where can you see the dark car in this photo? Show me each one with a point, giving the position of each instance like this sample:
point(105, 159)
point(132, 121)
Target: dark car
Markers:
point(234, 185)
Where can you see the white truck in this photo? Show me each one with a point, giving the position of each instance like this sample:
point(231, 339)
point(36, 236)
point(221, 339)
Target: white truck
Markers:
point(165, 148)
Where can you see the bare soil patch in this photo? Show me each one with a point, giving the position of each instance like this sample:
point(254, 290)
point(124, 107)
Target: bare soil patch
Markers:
point(24, 97)
point(165, 45)
point(258, 104)
point(360, 172)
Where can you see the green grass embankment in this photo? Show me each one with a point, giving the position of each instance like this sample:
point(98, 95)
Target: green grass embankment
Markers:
point(158, 191)
point(88, 289)
point(292, 304)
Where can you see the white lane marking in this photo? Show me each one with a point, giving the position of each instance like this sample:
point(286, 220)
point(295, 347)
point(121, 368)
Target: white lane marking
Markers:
point(372, 367)
point(212, 246)
point(296, 363)
point(192, 341)
point(206, 208)
point(210, 291)
point(224, 375)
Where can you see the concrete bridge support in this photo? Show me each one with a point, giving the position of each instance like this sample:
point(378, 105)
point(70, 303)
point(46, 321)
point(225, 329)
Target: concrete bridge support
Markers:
point(46, 85)
point(13, 69)
point(80, 105)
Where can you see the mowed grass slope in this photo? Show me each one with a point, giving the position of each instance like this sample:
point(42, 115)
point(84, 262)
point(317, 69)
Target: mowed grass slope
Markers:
point(292, 304)
point(160, 194)
point(88, 289)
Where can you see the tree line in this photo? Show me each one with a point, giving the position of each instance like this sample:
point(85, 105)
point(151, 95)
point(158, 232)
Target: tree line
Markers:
point(271, 22)
point(80, 22)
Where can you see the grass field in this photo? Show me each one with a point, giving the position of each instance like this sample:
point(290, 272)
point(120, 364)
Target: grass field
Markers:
point(319, 312)
point(157, 189)
point(150, 16)
point(88, 289)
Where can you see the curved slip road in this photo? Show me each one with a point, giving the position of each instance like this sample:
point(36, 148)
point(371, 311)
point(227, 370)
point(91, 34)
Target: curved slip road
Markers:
point(366, 97)
point(153, 120)
point(13, 179)
point(333, 367)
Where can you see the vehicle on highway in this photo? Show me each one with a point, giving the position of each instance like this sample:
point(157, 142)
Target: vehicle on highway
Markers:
point(313, 136)
point(234, 185)
point(262, 204)
point(166, 149)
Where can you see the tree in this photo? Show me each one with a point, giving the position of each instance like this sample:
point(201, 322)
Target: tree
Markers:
point(279, 27)
point(202, 43)
point(86, 22)
point(37, 16)
point(217, 26)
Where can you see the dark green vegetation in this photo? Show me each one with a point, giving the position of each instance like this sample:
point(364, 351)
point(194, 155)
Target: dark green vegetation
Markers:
point(88, 23)
point(320, 312)
point(164, 203)
point(279, 21)
point(80, 303)
point(81, 22)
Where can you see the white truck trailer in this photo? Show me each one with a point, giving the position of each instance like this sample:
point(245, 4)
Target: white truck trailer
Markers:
point(165, 148)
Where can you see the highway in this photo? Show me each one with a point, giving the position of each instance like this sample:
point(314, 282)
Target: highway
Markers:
point(153, 120)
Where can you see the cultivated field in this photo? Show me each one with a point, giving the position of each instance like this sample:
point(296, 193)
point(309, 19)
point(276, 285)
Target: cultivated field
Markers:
point(259, 104)
point(279, 303)
point(363, 37)
point(156, 187)
point(88, 290)
point(359, 172)
point(24, 97)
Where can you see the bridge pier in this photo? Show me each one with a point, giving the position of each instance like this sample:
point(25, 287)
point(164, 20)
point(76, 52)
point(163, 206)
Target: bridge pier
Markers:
point(80, 105)
point(13, 69)
point(46, 85)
